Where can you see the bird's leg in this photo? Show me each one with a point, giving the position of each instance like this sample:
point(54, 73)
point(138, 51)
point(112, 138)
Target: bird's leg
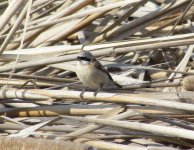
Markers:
point(95, 93)
point(82, 93)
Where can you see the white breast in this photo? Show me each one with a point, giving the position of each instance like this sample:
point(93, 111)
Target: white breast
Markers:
point(91, 76)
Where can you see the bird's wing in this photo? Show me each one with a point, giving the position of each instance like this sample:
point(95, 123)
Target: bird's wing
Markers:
point(100, 67)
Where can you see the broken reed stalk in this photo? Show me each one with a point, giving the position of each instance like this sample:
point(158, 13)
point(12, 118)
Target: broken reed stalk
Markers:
point(14, 29)
point(181, 17)
point(151, 128)
point(125, 16)
point(9, 12)
point(82, 110)
point(94, 127)
point(38, 78)
point(88, 96)
point(152, 85)
point(82, 24)
point(30, 130)
point(55, 110)
point(84, 13)
point(8, 94)
point(142, 20)
point(55, 128)
point(30, 35)
point(166, 26)
point(59, 59)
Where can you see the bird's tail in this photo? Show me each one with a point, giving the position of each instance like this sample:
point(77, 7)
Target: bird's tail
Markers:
point(118, 85)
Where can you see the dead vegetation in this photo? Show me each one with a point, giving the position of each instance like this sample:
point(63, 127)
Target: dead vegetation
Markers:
point(146, 45)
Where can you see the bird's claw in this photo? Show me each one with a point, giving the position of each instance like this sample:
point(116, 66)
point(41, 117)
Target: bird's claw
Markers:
point(81, 95)
point(82, 98)
point(95, 93)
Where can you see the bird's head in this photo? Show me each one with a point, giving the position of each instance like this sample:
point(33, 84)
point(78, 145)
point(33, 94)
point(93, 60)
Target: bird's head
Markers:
point(85, 57)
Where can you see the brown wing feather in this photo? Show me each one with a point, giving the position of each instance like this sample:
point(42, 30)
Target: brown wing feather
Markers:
point(100, 67)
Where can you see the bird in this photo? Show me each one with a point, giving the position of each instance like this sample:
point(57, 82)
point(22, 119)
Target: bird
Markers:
point(91, 73)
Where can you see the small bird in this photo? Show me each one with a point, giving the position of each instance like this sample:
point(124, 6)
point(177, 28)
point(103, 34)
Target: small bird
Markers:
point(91, 73)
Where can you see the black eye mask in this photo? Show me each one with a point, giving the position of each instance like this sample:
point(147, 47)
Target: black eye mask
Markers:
point(83, 58)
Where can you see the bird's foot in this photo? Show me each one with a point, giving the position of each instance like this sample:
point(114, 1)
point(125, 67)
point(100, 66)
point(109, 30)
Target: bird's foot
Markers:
point(81, 96)
point(96, 92)
point(82, 93)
